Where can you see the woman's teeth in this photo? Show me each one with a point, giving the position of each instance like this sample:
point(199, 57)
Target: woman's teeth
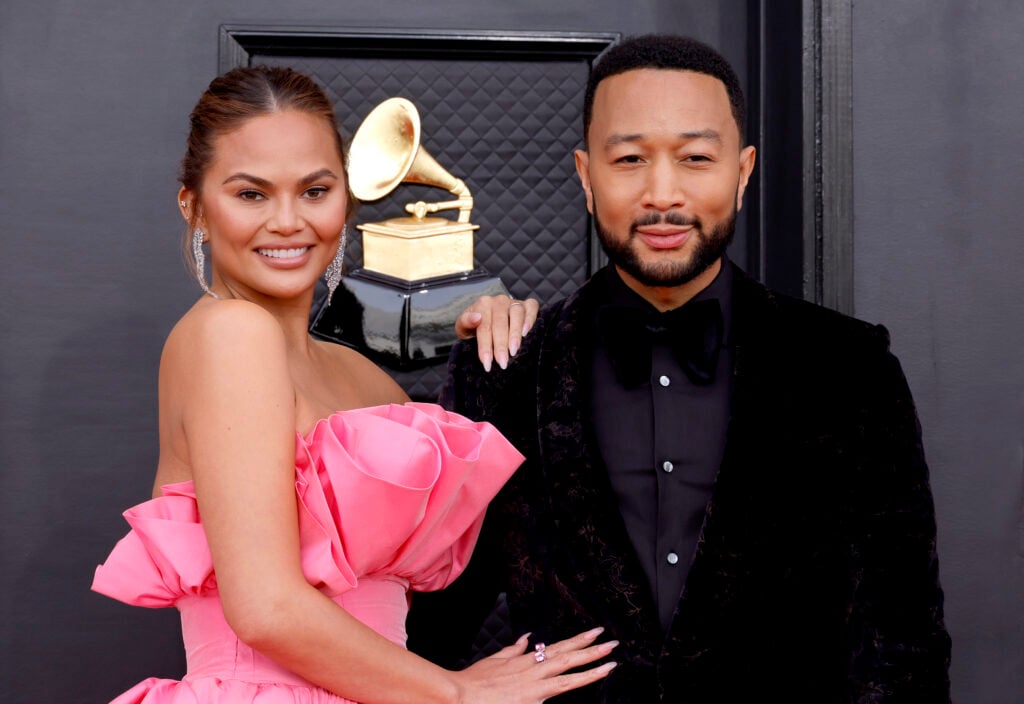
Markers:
point(283, 253)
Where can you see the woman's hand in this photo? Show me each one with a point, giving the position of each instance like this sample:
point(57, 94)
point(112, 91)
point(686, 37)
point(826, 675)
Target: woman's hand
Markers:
point(515, 676)
point(499, 324)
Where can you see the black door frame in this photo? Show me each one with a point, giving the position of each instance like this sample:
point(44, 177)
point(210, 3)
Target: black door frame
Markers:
point(801, 87)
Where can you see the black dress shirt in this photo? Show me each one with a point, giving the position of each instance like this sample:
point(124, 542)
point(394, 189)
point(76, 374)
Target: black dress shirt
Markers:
point(662, 442)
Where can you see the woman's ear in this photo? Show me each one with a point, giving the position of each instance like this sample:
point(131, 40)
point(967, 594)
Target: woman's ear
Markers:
point(188, 205)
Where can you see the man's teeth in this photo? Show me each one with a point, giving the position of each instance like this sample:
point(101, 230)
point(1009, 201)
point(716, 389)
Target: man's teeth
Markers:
point(283, 253)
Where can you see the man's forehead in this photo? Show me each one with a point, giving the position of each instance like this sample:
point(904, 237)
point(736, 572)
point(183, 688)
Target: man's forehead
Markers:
point(653, 79)
point(645, 97)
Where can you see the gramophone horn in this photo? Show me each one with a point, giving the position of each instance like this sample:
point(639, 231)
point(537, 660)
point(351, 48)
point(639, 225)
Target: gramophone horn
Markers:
point(386, 151)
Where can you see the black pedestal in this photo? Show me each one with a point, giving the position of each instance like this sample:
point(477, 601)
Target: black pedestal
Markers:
point(400, 324)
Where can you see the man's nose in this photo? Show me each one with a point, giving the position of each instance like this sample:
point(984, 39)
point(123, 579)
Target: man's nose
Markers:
point(664, 187)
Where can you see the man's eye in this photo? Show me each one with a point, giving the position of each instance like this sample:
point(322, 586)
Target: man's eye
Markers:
point(628, 159)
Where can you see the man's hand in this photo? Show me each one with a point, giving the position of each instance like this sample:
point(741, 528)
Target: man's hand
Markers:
point(499, 324)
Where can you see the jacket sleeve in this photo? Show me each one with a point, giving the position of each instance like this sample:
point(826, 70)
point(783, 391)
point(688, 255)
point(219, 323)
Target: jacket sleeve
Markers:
point(447, 627)
point(902, 649)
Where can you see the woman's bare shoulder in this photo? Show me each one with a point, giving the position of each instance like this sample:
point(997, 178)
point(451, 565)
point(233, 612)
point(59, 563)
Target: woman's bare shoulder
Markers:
point(219, 322)
point(221, 342)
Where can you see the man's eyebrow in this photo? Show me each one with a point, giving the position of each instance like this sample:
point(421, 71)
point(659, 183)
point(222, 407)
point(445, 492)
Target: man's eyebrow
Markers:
point(622, 139)
point(708, 134)
point(263, 183)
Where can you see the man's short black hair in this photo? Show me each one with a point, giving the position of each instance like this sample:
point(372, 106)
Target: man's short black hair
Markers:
point(664, 51)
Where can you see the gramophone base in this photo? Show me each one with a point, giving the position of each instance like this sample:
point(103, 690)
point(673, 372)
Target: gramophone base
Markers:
point(400, 324)
point(415, 249)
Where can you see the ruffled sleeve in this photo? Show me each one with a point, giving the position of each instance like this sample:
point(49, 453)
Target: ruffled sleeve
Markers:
point(165, 555)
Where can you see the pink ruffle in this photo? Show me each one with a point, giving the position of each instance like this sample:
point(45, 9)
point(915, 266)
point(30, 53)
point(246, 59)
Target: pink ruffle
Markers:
point(165, 555)
point(390, 490)
point(212, 689)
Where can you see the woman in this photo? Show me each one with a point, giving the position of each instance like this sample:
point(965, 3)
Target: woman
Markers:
point(324, 494)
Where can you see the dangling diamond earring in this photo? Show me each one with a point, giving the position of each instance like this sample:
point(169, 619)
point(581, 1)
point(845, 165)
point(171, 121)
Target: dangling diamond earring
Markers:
point(333, 273)
point(197, 252)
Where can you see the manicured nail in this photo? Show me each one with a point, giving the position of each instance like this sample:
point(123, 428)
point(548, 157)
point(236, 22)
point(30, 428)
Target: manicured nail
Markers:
point(607, 667)
point(487, 362)
point(526, 329)
point(611, 644)
point(513, 347)
point(502, 360)
point(595, 632)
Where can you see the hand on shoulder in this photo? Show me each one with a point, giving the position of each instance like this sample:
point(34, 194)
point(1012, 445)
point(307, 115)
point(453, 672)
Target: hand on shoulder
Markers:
point(499, 324)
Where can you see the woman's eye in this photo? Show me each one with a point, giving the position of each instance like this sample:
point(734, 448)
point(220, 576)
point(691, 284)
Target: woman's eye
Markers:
point(249, 194)
point(316, 193)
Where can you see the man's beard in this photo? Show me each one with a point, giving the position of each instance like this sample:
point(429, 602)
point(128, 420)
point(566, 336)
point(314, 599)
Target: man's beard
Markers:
point(710, 246)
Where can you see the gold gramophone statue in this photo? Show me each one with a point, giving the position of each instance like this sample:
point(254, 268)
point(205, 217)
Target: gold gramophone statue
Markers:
point(385, 152)
point(418, 272)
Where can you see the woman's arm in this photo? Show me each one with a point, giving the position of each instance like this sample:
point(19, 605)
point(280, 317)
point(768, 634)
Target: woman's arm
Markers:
point(238, 418)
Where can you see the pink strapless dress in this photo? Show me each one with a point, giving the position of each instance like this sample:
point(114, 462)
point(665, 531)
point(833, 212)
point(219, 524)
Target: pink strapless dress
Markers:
point(390, 498)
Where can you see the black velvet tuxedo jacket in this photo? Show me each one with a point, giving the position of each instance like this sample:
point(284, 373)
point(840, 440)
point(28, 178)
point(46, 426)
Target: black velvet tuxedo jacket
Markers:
point(815, 578)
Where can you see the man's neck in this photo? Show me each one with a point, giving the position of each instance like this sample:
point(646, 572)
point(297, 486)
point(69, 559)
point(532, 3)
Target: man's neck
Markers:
point(670, 297)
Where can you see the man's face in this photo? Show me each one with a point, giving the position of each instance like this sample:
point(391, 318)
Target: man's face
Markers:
point(664, 174)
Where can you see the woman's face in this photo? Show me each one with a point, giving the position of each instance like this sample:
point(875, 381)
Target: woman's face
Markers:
point(273, 203)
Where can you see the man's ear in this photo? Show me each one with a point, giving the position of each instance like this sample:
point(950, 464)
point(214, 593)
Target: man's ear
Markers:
point(583, 169)
point(748, 156)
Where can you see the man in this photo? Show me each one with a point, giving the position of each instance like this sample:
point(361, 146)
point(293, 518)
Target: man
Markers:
point(730, 481)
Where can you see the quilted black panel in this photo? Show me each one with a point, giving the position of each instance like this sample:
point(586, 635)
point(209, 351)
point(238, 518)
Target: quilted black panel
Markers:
point(508, 129)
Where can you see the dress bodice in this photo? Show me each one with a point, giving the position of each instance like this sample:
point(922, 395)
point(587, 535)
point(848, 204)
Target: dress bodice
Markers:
point(390, 498)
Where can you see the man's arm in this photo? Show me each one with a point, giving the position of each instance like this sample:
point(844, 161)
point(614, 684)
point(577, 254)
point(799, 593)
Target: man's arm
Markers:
point(903, 652)
point(444, 626)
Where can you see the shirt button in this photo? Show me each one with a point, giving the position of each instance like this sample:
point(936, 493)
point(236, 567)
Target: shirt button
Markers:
point(672, 558)
point(664, 380)
point(667, 466)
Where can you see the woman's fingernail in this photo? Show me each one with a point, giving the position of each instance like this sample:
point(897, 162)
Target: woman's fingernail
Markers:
point(487, 362)
point(513, 347)
point(595, 632)
point(607, 667)
point(502, 360)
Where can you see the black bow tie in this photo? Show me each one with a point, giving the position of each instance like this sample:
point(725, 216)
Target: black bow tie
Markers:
point(693, 331)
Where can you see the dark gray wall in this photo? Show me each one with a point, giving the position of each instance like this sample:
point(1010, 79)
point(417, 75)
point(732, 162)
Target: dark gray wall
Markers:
point(938, 173)
point(94, 99)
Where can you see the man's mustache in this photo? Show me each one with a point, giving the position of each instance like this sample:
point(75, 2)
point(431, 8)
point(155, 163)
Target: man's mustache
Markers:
point(669, 218)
